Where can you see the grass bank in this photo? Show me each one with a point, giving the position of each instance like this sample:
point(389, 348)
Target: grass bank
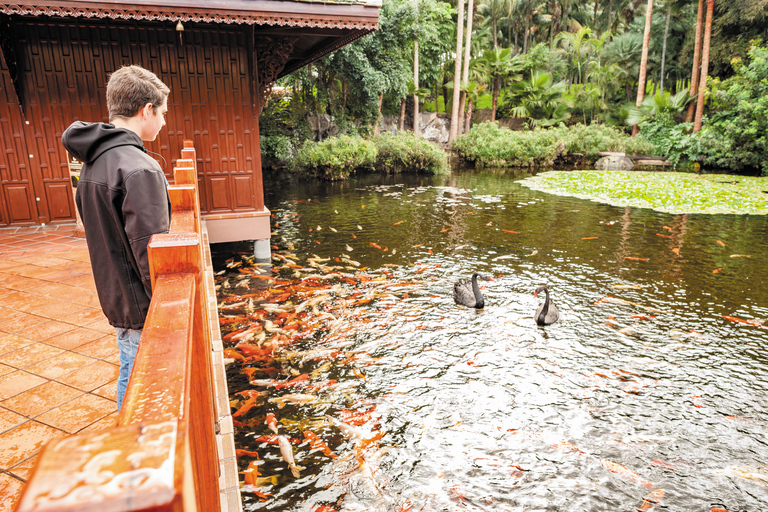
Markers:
point(669, 192)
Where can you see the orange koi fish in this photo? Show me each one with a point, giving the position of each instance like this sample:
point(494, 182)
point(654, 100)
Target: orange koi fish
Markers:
point(717, 270)
point(590, 237)
point(405, 508)
point(233, 354)
point(721, 243)
point(397, 223)
point(446, 229)
point(513, 232)
point(663, 235)
point(304, 377)
point(246, 453)
point(734, 319)
point(625, 473)
point(643, 317)
point(667, 228)
point(375, 246)
point(252, 473)
point(676, 250)
point(271, 422)
point(318, 444)
point(652, 499)
point(635, 259)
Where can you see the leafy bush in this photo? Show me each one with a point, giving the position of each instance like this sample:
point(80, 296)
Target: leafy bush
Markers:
point(405, 152)
point(487, 145)
point(277, 147)
point(335, 158)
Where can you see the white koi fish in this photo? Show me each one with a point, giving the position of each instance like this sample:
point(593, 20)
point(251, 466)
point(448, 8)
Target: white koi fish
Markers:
point(286, 450)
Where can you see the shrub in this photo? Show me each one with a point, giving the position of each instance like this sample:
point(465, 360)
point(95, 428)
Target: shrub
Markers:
point(488, 145)
point(405, 152)
point(335, 158)
point(277, 147)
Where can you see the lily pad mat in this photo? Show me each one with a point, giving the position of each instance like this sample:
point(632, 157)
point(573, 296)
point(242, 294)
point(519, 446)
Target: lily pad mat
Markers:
point(669, 192)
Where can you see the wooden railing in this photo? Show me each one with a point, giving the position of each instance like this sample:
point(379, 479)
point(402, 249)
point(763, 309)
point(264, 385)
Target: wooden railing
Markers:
point(162, 454)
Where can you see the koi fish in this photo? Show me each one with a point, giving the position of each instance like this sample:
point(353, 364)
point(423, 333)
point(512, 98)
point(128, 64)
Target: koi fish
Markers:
point(397, 223)
point(590, 237)
point(734, 319)
point(445, 230)
point(717, 270)
point(318, 444)
point(664, 465)
point(246, 453)
point(252, 472)
point(663, 235)
point(634, 258)
point(375, 246)
point(625, 473)
point(247, 406)
point(271, 422)
point(740, 256)
point(652, 499)
point(721, 243)
point(347, 430)
point(287, 452)
point(510, 231)
point(304, 377)
point(676, 250)
point(295, 398)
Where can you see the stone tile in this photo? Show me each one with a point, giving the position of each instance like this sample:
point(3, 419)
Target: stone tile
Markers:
point(10, 492)
point(23, 442)
point(10, 419)
point(29, 355)
point(48, 329)
point(59, 365)
point(90, 300)
point(108, 391)
point(103, 348)
point(59, 290)
point(92, 376)
point(104, 423)
point(64, 311)
point(102, 325)
point(17, 382)
point(20, 323)
point(85, 281)
point(38, 305)
point(11, 342)
point(40, 399)
point(74, 338)
point(45, 260)
point(5, 369)
point(24, 469)
point(77, 414)
point(87, 317)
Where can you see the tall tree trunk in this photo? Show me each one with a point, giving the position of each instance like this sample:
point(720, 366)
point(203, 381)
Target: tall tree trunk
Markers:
point(496, 87)
point(457, 74)
point(465, 71)
point(415, 87)
point(610, 15)
point(704, 66)
point(528, 18)
point(643, 62)
point(401, 125)
point(594, 18)
point(468, 119)
point(344, 95)
point(664, 46)
point(465, 64)
point(555, 12)
point(378, 117)
point(696, 55)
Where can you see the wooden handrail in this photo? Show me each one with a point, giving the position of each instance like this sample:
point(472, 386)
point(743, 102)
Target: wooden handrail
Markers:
point(162, 455)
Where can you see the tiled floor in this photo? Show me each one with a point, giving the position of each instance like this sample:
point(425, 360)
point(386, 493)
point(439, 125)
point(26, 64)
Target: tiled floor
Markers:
point(58, 355)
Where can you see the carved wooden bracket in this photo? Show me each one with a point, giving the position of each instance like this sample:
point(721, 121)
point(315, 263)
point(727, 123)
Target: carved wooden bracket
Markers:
point(9, 54)
point(272, 54)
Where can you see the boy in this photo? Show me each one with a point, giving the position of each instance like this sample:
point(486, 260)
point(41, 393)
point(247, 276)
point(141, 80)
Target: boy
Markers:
point(123, 200)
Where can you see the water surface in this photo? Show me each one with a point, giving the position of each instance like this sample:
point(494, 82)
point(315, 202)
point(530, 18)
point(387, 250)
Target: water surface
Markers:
point(643, 384)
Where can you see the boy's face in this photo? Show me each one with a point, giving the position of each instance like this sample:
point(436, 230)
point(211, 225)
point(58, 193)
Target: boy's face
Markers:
point(154, 120)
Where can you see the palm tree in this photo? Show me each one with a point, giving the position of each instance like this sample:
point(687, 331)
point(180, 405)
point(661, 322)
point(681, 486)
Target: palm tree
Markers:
point(704, 66)
point(497, 64)
point(573, 45)
point(457, 74)
point(493, 11)
point(465, 71)
point(696, 54)
point(540, 100)
point(643, 62)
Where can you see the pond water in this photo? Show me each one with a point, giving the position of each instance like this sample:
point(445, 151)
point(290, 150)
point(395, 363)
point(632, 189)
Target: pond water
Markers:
point(648, 393)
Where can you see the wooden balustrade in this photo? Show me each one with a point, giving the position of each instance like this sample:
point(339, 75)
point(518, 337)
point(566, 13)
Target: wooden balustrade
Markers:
point(162, 455)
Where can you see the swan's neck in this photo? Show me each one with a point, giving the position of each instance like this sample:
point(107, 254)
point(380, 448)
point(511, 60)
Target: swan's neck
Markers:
point(545, 309)
point(479, 303)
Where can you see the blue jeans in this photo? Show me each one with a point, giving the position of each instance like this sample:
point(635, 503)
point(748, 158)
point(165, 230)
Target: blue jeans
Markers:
point(128, 343)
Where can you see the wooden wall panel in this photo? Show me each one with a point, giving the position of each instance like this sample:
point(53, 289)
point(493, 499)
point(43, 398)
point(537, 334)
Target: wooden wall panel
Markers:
point(66, 64)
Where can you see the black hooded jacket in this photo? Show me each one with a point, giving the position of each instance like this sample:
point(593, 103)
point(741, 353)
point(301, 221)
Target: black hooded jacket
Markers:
point(123, 200)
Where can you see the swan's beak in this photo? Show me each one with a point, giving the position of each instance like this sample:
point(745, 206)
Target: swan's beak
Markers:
point(536, 294)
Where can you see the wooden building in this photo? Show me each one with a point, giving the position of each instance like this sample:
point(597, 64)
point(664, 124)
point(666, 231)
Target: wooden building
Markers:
point(220, 58)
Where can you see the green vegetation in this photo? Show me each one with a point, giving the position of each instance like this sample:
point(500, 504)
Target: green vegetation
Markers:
point(488, 145)
point(669, 192)
point(335, 158)
point(406, 152)
point(338, 157)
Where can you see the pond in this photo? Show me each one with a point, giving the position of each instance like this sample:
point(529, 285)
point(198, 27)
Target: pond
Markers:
point(648, 393)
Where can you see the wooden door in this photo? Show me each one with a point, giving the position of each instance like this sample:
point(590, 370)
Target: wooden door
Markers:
point(17, 194)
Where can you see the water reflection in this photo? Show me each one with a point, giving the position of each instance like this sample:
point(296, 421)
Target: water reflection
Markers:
point(641, 386)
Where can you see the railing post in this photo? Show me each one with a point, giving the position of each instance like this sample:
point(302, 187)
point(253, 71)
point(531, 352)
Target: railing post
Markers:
point(182, 253)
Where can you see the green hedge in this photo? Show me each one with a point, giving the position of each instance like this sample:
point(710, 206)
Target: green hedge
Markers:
point(338, 157)
point(405, 152)
point(488, 145)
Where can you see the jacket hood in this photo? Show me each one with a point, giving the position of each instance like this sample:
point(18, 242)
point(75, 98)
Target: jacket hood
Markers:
point(88, 141)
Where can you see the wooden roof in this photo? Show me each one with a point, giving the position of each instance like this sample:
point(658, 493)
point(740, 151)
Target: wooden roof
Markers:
point(307, 29)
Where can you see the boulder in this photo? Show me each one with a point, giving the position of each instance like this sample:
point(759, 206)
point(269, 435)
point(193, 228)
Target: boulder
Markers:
point(614, 163)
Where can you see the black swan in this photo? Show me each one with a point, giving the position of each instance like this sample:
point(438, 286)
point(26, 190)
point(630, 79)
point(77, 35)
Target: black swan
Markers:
point(547, 312)
point(468, 294)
